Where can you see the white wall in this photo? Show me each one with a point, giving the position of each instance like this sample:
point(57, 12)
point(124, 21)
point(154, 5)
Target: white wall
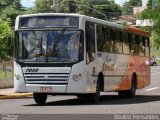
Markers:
point(145, 22)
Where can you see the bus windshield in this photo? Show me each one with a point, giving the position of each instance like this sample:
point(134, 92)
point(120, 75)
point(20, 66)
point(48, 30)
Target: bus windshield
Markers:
point(49, 46)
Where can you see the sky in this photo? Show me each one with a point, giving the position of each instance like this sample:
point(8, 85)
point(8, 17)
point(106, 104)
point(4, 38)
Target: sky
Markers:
point(120, 2)
point(30, 3)
point(27, 3)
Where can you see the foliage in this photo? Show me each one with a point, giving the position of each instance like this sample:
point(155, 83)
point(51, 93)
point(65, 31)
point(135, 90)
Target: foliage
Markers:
point(5, 30)
point(43, 5)
point(2, 75)
point(9, 9)
point(110, 8)
point(156, 40)
point(103, 6)
point(136, 2)
point(128, 6)
point(153, 14)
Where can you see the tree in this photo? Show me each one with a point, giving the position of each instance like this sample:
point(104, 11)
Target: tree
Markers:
point(5, 30)
point(105, 6)
point(128, 6)
point(152, 13)
point(136, 2)
point(47, 6)
point(101, 5)
point(43, 5)
point(9, 9)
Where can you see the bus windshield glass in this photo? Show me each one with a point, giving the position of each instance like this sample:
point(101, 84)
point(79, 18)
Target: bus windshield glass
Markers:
point(49, 46)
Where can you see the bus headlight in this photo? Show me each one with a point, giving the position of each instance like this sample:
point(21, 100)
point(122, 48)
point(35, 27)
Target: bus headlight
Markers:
point(75, 77)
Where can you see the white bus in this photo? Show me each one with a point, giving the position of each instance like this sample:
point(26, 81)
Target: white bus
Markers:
point(60, 53)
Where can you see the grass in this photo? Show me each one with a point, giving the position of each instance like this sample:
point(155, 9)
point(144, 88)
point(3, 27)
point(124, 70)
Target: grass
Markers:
point(9, 75)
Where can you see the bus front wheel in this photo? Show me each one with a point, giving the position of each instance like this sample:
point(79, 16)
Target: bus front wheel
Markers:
point(95, 97)
point(40, 98)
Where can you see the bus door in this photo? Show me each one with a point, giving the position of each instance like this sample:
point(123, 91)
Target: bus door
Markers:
point(108, 71)
point(90, 57)
point(108, 65)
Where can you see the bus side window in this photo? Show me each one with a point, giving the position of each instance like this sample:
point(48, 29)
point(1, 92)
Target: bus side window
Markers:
point(117, 42)
point(146, 46)
point(134, 45)
point(90, 42)
point(141, 47)
point(137, 43)
point(101, 38)
point(130, 41)
point(109, 40)
point(125, 43)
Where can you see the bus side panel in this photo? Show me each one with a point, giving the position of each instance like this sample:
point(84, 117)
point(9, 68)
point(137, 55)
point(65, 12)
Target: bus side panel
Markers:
point(19, 83)
point(139, 66)
point(146, 71)
point(132, 67)
point(121, 63)
point(114, 69)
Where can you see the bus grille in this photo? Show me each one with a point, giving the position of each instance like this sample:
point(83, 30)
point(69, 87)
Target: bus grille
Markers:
point(55, 76)
point(46, 78)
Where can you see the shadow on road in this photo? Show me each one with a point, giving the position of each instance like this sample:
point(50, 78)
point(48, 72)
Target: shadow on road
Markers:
point(105, 100)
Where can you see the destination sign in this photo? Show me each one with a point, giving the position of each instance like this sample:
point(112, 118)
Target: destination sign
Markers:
point(49, 21)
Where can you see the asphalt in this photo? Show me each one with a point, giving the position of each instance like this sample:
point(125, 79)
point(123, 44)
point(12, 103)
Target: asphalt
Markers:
point(8, 93)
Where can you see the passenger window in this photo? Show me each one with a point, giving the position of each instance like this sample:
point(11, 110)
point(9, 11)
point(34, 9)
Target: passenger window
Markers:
point(117, 42)
point(125, 43)
point(109, 40)
point(141, 47)
point(146, 46)
point(101, 38)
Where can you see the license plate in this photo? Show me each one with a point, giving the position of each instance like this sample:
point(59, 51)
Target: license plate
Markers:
point(46, 89)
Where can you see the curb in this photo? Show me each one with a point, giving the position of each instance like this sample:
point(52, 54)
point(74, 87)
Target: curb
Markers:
point(15, 96)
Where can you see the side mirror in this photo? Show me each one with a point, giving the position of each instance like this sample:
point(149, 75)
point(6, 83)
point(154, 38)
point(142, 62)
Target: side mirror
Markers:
point(8, 41)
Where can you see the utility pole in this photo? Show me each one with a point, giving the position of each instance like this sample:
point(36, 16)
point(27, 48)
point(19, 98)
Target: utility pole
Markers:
point(153, 3)
point(55, 6)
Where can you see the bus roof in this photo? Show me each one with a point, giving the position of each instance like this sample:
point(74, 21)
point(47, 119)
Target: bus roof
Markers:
point(138, 31)
point(92, 19)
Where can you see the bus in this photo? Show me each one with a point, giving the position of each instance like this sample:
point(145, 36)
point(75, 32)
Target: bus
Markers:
point(73, 54)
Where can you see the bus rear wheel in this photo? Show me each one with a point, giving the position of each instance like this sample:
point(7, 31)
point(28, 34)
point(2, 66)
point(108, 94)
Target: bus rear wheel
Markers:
point(132, 92)
point(40, 98)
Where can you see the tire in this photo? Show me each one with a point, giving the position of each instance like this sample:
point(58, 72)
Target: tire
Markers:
point(81, 96)
point(132, 91)
point(129, 93)
point(95, 97)
point(154, 64)
point(40, 98)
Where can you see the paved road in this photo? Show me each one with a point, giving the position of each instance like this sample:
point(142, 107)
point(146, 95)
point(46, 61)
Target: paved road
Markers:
point(146, 101)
